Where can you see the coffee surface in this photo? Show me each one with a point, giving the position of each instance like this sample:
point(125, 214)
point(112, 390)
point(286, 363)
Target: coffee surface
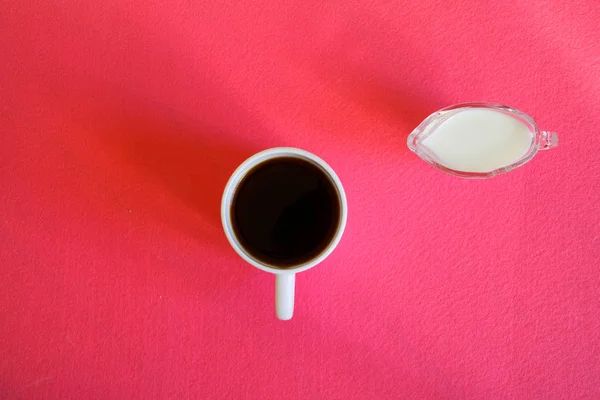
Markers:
point(285, 211)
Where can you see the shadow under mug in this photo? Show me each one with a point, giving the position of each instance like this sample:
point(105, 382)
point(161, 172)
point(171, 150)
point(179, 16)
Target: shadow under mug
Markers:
point(285, 278)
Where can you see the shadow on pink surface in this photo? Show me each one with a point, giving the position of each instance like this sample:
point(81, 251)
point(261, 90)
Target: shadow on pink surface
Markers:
point(172, 173)
point(394, 110)
point(192, 163)
point(376, 96)
point(388, 98)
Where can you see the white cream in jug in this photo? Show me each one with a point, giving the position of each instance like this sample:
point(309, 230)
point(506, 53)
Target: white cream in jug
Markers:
point(479, 140)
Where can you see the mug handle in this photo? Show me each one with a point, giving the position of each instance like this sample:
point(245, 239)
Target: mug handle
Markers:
point(284, 295)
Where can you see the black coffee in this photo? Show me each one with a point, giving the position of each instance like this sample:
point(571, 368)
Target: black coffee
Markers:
point(285, 211)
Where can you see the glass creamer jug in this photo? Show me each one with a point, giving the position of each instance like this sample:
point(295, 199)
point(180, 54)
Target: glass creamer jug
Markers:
point(479, 140)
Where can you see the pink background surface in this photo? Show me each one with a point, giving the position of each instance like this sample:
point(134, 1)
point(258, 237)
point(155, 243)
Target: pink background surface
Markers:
point(122, 120)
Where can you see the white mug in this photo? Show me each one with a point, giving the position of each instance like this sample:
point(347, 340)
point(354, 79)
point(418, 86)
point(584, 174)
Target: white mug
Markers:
point(285, 278)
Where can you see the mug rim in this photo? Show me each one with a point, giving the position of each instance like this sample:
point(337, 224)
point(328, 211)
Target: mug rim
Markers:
point(237, 177)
